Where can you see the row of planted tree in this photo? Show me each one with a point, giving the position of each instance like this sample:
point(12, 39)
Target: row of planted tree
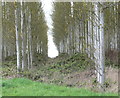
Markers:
point(91, 28)
point(24, 32)
point(88, 27)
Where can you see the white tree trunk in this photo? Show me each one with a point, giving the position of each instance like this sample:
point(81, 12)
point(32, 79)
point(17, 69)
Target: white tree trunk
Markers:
point(96, 41)
point(22, 34)
point(102, 50)
point(30, 42)
point(17, 40)
point(23, 38)
point(118, 37)
point(71, 8)
point(28, 48)
point(99, 45)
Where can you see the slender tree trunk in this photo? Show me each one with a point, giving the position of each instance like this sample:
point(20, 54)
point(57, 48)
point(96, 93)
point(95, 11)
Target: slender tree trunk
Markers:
point(79, 36)
point(30, 43)
point(67, 44)
point(118, 43)
point(84, 33)
point(96, 41)
point(102, 50)
point(23, 37)
point(87, 37)
point(1, 46)
point(23, 31)
point(118, 34)
point(17, 39)
point(4, 31)
point(1, 35)
point(31, 52)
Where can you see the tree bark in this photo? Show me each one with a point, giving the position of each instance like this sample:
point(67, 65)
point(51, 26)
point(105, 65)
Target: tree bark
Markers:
point(1, 46)
point(30, 42)
point(1, 35)
point(102, 50)
point(23, 31)
point(96, 44)
point(17, 39)
point(118, 43)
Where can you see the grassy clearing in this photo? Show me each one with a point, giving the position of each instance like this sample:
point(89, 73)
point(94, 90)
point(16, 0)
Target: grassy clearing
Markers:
point(25, 87)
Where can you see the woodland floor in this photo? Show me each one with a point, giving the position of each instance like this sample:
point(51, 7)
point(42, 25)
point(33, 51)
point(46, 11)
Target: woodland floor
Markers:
point(64, 71)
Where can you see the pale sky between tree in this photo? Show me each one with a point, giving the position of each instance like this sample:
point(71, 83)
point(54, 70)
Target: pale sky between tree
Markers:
point(47, 7)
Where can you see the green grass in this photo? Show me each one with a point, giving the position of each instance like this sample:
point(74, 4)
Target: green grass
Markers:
point(25, 87)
